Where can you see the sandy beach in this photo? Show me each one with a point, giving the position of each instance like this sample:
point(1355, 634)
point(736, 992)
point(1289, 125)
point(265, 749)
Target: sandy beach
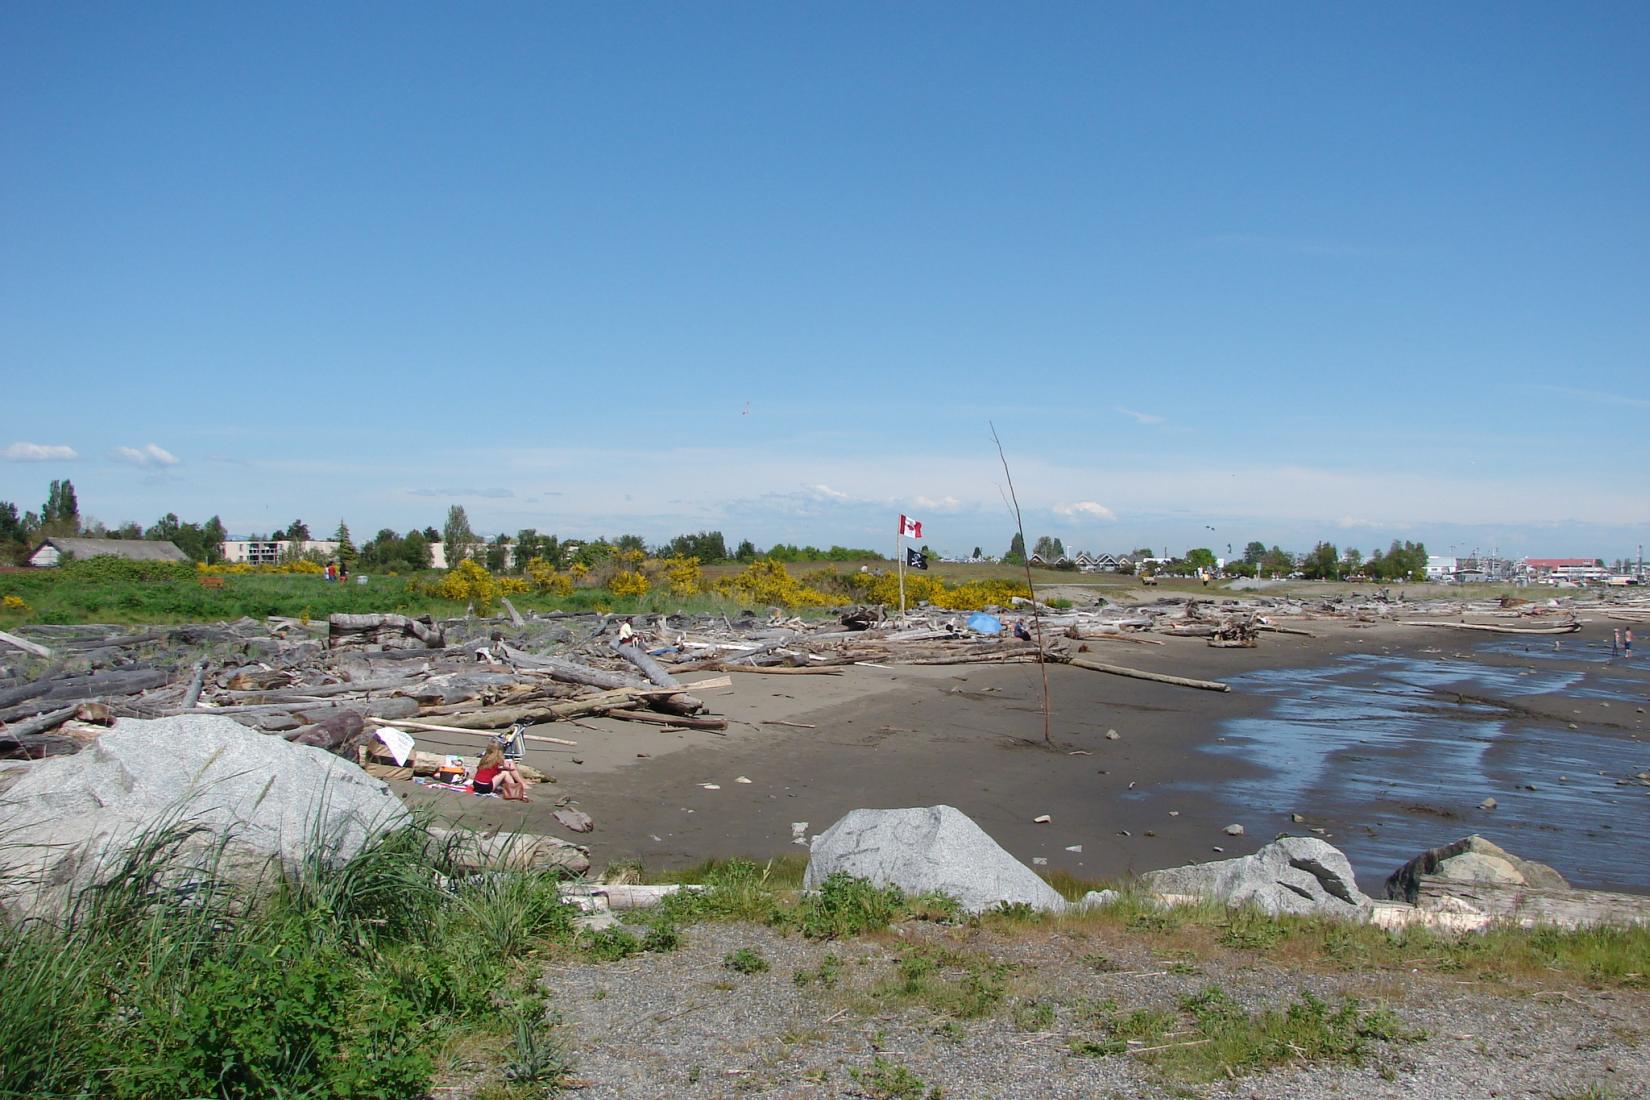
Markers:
point(1306, 740)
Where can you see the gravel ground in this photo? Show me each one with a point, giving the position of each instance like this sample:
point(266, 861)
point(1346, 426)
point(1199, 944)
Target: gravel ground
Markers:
point(683, 1025)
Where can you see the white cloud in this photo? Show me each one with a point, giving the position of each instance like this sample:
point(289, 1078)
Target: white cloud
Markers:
point(1085, 508)
point(943, 504)
point(828, 493)
point(149, 454)
point(1142, 417)
point(38, 452)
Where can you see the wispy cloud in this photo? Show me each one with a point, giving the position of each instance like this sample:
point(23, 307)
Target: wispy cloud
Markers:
point(941, 504)
point(1142, 417)
point(1598, 396)
point(149, 454)
point(493, 493)
point(828, 493)
point(1088, 508)
point(39, 452)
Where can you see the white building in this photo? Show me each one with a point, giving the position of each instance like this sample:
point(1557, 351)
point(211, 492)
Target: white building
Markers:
point(274, 551)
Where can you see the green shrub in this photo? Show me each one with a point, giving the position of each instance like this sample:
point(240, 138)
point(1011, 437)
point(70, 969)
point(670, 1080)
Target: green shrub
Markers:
point(745, 960)
point(846, 906)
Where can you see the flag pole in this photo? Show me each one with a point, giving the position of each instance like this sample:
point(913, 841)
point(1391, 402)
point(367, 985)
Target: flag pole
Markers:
point(899, 563)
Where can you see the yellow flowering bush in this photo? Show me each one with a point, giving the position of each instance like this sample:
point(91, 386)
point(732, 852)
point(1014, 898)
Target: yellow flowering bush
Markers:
point(628, 582)
point(469, 581)
point(768, 582)
point(14, 603)
point(514, 586)
point(242, 568)
point(920, 588)
point(545, 578)
point(578, 571)
point(682, 576)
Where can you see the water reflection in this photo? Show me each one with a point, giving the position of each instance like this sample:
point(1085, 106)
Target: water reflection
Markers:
point(1400, 751)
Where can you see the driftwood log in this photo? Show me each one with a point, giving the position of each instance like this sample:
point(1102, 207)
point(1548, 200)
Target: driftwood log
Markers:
point(1142, 674)
point(383, 632)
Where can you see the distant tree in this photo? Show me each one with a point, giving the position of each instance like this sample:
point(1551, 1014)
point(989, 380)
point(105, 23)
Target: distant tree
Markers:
point(1200, 558)
point(1016, 550)
point(431, 535)
point(1044, 548)
point(746, 551)
point(630, 542)
point(13, 537)
point(296, 531)
point(498, 554)
point(60, 516)
point(1323, 563)
point(1239, 568)
point(977, 554)
point(1253, 552)
point(1353, 559)
point(1143, 552)
point(165, 529)
point(346, 551)
point(11, 524)
point(1277, 563)
point(457, 536)
point(415, 550)
point(708, 546)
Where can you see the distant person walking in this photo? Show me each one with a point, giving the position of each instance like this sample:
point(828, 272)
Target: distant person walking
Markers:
point(1629, 641)
point(1615, 643)
point(332, 572)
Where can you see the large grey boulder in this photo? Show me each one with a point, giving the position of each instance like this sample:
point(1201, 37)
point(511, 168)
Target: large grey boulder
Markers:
point(68, 818)
point(1296, 874)
point(927, 848)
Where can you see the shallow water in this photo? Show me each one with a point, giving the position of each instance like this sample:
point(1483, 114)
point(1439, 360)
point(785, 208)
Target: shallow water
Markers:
point(1384, 753)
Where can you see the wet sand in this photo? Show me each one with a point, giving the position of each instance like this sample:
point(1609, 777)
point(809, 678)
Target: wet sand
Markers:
point(1298, 734)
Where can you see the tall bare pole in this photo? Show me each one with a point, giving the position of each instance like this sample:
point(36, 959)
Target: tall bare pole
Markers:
point(1036, 617)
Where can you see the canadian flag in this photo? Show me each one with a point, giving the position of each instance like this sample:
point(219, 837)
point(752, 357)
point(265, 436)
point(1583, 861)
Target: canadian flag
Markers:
point(911, 527)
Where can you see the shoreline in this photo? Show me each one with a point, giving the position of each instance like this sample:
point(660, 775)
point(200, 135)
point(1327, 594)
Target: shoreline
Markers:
point(971, 736)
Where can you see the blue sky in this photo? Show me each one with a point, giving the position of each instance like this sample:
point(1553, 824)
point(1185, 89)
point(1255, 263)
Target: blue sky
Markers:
point(1285, 272)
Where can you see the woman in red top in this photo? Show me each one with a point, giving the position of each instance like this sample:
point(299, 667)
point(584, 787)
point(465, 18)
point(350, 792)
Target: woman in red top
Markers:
point(495, 772)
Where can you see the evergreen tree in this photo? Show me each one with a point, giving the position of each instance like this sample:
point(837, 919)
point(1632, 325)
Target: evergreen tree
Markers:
point(61, 513)
point(1016, 550)
point(296, 531)
point(346, 548)
point(746, 552)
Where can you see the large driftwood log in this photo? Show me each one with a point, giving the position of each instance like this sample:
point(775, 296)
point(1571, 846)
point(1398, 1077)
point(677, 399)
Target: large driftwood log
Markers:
point(669, 719)
point(1141, 674)
point(390, 631)
point(1565, 628)
point(1531, 906)
point(569, 672)
point(675, 704)
point(25, 645)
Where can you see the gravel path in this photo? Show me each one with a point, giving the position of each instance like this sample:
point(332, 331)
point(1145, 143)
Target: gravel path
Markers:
point(684, 1025)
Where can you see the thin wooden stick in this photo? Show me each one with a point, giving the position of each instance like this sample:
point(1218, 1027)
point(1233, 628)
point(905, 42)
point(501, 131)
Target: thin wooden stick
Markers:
point(1036, 618)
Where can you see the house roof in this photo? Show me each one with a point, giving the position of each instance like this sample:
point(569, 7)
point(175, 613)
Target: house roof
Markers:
point(131, 549)
point(1556, 563)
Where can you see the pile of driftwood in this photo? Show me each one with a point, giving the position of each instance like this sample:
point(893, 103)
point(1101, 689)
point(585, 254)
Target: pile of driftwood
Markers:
point(332, 683)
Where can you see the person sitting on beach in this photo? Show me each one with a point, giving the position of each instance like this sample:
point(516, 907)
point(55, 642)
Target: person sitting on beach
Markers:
point(495, 773)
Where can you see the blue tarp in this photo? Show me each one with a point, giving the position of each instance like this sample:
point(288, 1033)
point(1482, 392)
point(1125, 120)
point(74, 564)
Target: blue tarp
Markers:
point(981, 623)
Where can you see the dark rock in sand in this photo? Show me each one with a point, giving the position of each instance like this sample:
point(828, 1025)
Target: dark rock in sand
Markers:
point(1470, 859)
